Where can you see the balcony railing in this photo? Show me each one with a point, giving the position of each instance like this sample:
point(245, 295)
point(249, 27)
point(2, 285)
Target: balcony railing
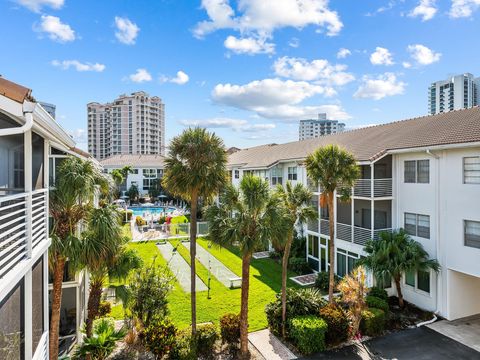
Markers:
point(312, 225)
point(39, 216)
point(361, 235)
point(344, 232)
point(381, 188)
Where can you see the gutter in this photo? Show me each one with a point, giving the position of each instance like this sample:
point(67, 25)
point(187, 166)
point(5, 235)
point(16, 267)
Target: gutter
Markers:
point(28, 108)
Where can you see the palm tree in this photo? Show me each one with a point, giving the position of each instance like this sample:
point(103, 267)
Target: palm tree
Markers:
point(105, 255)
point(333, 168)
point(394, 254)
point(118, 178)
point(195, 167)
point(250, 216)
point(70, 201)
point(297, 201)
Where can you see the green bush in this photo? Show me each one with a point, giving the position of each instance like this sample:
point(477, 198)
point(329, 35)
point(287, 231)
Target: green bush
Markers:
point(205, 340)
point(337, 321)
point(299, 302)
point(159, 337)
point(375, 302)
point(323, 279)
point(202, 346)
point(184, 348)
point(299, 265)
point(104, 309)
point(230, 329)
point(298, 249)
point(121, 215)
point(373, 321)
point(379, 293)
point(308, 333)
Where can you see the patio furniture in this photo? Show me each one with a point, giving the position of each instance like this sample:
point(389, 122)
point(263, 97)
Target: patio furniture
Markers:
point(235, 282)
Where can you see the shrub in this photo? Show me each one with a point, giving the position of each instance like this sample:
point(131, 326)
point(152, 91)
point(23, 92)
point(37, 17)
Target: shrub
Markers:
point(308, 333)
point(373, 321)
point(230, 329)
point(184, 348)
point(298, 249)
point(299, 302)
point(205, 340)
point(337, 322)
point(323, 279)
point(140, 221)
point(275, 255)
point(121, 215)
point(202, 346)
point(298, 265)
point(159, 337)
point(104, 309)
point(375, 302)
point(379, 293)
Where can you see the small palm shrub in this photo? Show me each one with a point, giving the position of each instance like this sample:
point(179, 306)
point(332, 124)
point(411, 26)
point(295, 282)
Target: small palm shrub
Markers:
point(230, 329)
point(323, 279)
point(102, 342)
point(159, 337)
point(308, 333)
point(375, 302)
point(299, 302)
point(379, 293)
point(337, 321)
point(140, 221)
point(299, 265)
point(373, 321)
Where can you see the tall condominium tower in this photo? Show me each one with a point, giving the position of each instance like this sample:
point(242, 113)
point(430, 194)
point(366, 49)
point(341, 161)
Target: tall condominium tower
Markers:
point(313, 128)
point(458, 92)
point(131, 124)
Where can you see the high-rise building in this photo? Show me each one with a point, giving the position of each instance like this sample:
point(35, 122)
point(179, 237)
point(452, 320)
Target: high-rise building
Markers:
point(131, 124)
point(313, 128)
point(458, 92)
point(50, 108)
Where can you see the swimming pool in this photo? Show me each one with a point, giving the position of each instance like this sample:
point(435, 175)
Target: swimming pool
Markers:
point(151, 210)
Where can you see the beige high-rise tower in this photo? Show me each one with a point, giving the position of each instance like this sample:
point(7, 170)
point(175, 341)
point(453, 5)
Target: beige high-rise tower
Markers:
point(131, 124)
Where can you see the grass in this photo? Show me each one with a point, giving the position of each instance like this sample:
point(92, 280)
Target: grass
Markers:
point(265, 282)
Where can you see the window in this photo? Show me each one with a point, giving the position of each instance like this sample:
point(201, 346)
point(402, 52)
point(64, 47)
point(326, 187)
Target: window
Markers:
point(417, 171)
point(417, 225)
point(237, 174)
point(472, 233)
point(419, 280)
point(410, 278)
point(292, 173)
point(471, 170)
point(346, 261)
point(313, 246)
point(277, 178)
point(150, 173)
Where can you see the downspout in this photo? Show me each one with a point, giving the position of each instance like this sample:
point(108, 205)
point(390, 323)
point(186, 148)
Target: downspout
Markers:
point(28, 108)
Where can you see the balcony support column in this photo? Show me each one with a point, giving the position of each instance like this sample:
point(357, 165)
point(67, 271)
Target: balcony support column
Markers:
point(27, 173)
point(372, 199)
point(352, 221)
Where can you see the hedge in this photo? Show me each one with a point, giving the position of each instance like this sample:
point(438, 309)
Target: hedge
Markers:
point(380, 293)
point(373, 321)
point(308, 333)
point(375, 302)
point(337, 321)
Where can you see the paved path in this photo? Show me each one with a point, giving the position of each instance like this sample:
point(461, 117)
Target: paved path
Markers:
point(269, 346)
point(180, 268)
point(465, 330)
point(220, 271)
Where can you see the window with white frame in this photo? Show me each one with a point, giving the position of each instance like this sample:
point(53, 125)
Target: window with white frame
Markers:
point(292, 173)
point(471, 232)
point(276, 174)
point(419, 280)
point(471, 170)
point(416, 171)
point(150, 173)
point(417, 225)
point(237, 174)
point(346, 261)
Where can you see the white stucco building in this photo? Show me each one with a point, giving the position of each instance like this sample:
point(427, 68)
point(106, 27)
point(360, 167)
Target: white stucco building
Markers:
point(421, 174)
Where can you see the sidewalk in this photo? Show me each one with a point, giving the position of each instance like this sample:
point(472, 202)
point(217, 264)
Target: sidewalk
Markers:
point(269, 346)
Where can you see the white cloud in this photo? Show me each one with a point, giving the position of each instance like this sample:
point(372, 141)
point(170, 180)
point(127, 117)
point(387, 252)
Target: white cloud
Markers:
point(56, 30)
point(426, 9)
point(320, 70)
point(181, 78)
point(79, 66)
point(381, 56)
point(249, 45)
point(80, 138)
point(294, 42)
point(140, 76)
point(463, 8)
point(37, 5)
point(382, 86)
point(406, 64)
point(343, 53)
point(127, 31)
point(294, 113)
point(238, 125)
point(423, 55)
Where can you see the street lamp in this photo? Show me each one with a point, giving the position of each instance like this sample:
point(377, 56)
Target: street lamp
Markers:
point(209, 271)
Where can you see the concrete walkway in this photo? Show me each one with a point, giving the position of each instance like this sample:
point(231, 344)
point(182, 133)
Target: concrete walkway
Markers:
point(180, 268)
point(464, 330)
point(269, 346)
point(220, 271)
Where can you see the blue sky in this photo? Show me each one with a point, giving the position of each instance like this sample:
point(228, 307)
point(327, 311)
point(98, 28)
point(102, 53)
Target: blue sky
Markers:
point(247, 69)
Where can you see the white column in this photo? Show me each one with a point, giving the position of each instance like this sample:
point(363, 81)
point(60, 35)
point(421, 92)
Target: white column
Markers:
point(335, 223)
point(46, 184)
point(28, 313)
point(27, 146)
point(352, 221)
point(46, 321)
point(372, 199)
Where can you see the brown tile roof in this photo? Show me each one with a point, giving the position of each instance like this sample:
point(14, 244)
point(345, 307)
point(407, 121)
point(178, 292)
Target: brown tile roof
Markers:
point(367, 144)
point(15, 91)
point(134, 160)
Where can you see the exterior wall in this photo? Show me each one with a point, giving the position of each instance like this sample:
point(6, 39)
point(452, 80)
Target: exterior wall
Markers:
point(463, 293)
point(138, 178)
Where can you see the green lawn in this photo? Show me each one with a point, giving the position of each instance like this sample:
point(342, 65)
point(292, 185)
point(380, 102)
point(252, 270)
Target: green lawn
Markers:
point(265, 282)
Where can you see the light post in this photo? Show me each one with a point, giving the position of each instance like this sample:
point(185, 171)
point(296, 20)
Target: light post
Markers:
point(209, 271)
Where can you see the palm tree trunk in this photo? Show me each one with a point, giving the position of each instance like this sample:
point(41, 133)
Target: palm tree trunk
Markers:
point(401, 303)
point(193, 251)
point(58, 268)
point(331, 246)
point(286, 255)
point(244, 305)
point(93, 303)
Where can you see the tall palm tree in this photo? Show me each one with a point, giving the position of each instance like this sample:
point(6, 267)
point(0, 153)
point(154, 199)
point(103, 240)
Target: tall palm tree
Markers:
point(70, 201)
point(195, 167)
point(118, 178)
point(105, 255)
point(333, 168)
point(297, 201)
point(250, 216)
point(394, 254)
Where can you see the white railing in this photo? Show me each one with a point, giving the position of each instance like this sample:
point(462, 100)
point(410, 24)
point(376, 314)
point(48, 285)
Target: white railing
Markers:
point(344, 232)
point(169, 231)
point(39, 216)
point(324, 228)
point(381, 188)
point(362, 187)
point(361, 235)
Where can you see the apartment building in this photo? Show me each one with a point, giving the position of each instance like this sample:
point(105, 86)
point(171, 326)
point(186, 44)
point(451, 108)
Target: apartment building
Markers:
point(455, 93)
point(28, 135)
point(131, 124)
point(422, 175)
point(312, 128)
